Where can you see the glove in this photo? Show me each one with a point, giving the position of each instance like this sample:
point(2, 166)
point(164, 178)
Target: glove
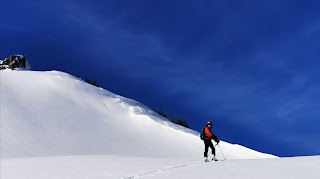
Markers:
point(217, 141)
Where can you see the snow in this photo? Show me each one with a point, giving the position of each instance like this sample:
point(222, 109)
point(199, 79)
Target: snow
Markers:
point(55, 125)
point(113, 167)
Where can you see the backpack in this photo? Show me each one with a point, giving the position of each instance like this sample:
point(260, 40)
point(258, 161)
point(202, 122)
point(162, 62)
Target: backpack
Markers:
point(202, 135)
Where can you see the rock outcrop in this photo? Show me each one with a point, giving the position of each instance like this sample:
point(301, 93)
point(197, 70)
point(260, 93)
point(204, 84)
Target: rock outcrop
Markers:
point(15, 62)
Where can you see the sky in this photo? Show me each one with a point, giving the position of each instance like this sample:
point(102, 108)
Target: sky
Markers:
point(249, 66)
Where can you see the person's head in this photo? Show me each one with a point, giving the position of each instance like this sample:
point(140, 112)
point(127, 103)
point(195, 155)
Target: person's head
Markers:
point(209, 124)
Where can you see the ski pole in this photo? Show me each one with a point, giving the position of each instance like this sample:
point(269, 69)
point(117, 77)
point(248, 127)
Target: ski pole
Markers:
point(221, 151)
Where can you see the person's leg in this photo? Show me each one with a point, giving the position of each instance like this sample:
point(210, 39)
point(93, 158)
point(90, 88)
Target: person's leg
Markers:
point(212, 148)
point(206, 148)
point(213, 151)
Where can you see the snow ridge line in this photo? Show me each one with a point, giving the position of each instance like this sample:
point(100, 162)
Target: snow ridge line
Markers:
point(162, 170)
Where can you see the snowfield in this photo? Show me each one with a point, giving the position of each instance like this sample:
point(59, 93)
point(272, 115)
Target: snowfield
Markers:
point(102, 167)
point(54, 125)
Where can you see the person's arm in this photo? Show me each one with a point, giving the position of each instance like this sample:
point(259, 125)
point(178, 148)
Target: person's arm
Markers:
point(215, 138)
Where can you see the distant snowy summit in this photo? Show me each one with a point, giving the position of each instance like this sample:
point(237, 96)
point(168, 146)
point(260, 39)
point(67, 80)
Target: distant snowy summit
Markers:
point(15, 62)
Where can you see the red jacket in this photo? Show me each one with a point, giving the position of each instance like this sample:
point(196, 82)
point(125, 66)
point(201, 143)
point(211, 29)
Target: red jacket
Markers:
point(208, 134)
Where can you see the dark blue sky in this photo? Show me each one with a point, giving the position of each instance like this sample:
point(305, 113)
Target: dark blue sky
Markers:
point(249, 66)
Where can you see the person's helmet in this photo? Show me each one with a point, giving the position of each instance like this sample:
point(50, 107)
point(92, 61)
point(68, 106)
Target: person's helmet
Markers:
point(209, 123)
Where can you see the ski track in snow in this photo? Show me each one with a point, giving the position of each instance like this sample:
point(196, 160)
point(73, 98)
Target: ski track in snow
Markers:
point(162, 170)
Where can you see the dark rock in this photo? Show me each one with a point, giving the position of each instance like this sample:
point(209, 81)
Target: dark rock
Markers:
point(15, 62)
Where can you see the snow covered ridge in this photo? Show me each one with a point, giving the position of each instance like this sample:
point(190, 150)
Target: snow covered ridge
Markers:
point(57, 114)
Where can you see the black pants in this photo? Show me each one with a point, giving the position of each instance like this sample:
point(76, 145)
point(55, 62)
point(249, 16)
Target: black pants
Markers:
point(207, 144)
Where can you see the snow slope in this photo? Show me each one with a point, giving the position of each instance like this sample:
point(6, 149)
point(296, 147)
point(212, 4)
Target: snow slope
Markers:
point(55, 114)
point(54, 125)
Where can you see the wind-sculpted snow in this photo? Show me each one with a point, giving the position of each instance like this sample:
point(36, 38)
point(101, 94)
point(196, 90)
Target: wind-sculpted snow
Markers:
point(55, 114)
